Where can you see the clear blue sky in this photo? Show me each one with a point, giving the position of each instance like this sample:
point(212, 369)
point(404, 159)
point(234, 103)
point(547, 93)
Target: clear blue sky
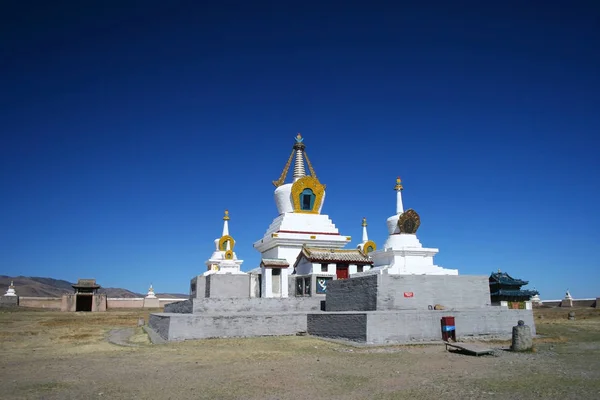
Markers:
point(128, 127)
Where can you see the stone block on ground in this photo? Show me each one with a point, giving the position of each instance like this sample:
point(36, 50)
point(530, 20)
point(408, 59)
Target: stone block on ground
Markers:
point(521, 337)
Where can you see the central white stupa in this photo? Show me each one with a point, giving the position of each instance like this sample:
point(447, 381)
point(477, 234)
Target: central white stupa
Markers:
point(300, 222)
point(402, 252)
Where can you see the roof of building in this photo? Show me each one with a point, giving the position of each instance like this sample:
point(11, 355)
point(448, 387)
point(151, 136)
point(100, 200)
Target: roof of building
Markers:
point(504, 279)
point(515, 293)
point(274, 263)
point(86, 283)
point(318, 254)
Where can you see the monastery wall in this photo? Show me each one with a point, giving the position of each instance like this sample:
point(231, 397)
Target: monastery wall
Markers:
point(113, 303)
point(576, 303)
point(53, 303)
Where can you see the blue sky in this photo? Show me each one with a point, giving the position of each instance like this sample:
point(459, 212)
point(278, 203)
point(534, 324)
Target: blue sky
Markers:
point(128, 127)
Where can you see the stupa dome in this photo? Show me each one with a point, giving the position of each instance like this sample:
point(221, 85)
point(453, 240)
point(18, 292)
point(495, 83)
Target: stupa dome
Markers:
point(305, 193)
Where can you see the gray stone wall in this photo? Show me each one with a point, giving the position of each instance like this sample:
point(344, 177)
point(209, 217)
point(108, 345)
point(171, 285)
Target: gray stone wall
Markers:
point(419, 292)
point(356, 294)
point(351, 326)
point(228, 286)
point(414, 326)
point(180, 307)
point(160, 324)
point(408, 292)
point(176, 327)
point(256, 305)
point(221, 286)
point(9, 301)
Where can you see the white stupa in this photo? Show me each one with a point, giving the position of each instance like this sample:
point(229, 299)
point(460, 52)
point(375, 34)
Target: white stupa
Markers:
point(11, 290)
point(402, 252)
point(366, 245)
point(224, 260)
point(151, 294)
point(536, 298)
point(300, 221)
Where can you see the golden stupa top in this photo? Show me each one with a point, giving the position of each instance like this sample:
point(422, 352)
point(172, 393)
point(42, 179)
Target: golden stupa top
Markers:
point(299, 151)
point(364, 221)
point(398, 184)
point(226, 216)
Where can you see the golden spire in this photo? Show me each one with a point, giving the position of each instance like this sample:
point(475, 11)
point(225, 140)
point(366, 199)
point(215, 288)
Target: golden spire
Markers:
point(398, 184)
point(281, 179)
point(297, 150)
point(364, 222)
point(226, 216)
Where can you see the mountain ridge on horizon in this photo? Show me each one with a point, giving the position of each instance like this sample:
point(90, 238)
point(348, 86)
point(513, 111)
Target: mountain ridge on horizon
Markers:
point(35, 286)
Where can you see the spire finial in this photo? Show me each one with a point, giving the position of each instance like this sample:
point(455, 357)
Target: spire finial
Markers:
point(398, 184)
point(299, 170)
point(226, 216)
point(365, 236)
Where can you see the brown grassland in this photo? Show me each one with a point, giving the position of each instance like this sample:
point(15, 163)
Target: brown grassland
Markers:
point(54, 355)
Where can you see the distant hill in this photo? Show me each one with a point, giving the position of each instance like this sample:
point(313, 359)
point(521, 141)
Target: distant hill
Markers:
point(48, 287)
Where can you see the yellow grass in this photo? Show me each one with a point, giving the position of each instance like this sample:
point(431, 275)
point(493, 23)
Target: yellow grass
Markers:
point(54, 355)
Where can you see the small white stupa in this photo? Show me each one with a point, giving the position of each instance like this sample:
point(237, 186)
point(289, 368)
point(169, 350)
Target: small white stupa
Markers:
point(568, 295)
point(402, 252)
point(535, 299)
point(151, 294)
point(366, 246)
point(11, 290)
point(224, 260)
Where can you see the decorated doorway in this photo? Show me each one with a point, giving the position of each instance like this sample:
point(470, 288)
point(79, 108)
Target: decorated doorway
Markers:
point(341, 271)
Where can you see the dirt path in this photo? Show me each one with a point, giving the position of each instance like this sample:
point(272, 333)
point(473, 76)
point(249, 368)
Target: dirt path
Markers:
point(121, 336)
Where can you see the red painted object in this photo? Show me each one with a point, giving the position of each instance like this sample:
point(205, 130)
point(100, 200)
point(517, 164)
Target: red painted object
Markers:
point(342, 272)
point(448, 329)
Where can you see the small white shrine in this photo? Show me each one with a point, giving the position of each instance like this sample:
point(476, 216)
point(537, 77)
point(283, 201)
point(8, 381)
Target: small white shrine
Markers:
point(402, 252)
point(224, 260)
point(568, 300)
point(151, 294)
point(535, 299)
point(11, 290)
point(274, 274)
point(341, 263)
point(151, 301)
point(366, 246)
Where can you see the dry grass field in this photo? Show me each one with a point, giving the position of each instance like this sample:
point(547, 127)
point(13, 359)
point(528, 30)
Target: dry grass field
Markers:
point(53, 355)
